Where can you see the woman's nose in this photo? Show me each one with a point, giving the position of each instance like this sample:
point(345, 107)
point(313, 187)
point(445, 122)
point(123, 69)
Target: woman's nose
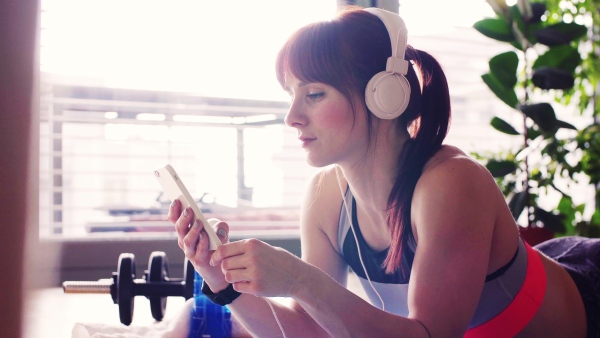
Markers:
point(295, 117)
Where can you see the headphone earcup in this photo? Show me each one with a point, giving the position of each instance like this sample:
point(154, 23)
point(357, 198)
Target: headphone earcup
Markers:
point(387, 95)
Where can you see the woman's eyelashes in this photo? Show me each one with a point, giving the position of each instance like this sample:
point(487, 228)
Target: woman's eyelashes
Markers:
point(315, 96)
point(310, 95)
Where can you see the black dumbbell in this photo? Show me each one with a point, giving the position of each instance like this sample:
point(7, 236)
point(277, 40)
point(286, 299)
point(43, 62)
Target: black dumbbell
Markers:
point(156, 285)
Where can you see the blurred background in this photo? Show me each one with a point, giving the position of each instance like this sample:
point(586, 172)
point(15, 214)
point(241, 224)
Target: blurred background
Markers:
point(125, 87)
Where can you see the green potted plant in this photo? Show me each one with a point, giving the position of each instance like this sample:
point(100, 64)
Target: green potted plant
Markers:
point(543, 58)
point(584, 95)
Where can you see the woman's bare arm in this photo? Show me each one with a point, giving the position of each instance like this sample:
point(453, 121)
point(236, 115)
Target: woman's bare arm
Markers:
point(454, 213)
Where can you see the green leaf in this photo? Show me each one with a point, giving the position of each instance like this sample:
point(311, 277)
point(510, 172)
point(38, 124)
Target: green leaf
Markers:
point(565, 57)
point(496, 29)
point(499, 168)
point(504, 68)
point(542, 114)
point(532, 28)
point(551, 221)
point(517, 45)
point(565, 207)
point(563, 124)
point(517, 204)
point(596, 217)
point(503, 126)
point(560, 34)
point(507, 96)
point(569, 212)
point(538, 9)
point(552, 78)
point(525, 9)
point(532, 134)
point(518, 26)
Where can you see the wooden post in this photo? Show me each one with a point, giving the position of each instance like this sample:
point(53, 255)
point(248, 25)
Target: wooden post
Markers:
point(18, 32)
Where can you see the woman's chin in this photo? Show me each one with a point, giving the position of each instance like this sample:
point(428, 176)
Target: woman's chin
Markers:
point(317, 162)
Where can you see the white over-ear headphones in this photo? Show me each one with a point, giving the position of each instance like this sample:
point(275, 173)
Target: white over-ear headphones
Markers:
point(388, 92)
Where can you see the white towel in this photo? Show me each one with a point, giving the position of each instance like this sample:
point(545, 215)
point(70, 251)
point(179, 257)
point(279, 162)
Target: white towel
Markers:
point(175, 327)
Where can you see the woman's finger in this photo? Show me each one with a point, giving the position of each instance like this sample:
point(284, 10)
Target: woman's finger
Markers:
point(174, 211)
point(182, 225)
point(188, 231)
point(227, 250)
point(200, 254)
point(192, 238)
point(221, 229)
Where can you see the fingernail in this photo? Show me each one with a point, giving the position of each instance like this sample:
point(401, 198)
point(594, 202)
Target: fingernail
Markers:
point(201, 235)
point(185, 212)
point(173, 204)
point(221, 232)
point(211, 263)
point(196, 224)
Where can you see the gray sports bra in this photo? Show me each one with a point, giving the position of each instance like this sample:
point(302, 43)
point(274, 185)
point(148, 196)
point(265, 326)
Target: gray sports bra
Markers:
point(499, 290)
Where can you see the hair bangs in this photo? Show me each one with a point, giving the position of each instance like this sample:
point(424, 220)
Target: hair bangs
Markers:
point(314, 54)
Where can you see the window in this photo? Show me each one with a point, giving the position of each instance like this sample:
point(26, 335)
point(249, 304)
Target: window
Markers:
point(128, 86)
point(101, 145)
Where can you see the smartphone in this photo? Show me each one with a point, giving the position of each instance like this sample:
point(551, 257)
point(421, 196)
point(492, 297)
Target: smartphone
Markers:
point(175, 189)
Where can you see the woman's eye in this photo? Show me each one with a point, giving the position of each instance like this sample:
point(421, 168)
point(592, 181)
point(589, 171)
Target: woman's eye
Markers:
point(315, 96)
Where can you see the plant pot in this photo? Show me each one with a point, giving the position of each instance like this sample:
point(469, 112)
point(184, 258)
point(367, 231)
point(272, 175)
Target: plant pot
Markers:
point(535, 236)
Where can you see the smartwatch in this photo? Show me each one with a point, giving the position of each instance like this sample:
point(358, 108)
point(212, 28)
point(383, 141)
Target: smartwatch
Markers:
point(223, 297)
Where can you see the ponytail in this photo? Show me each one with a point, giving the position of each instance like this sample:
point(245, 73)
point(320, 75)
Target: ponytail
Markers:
point(429, 120)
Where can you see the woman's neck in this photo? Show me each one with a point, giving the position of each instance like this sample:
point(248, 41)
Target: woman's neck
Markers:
point(372, 177)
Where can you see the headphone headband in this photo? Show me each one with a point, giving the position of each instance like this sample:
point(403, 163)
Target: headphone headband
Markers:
point(388, 93)
point(398, 38)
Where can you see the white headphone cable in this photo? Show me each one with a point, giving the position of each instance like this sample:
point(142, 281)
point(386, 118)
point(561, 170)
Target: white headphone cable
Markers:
point(276, 318)
point(348, 214)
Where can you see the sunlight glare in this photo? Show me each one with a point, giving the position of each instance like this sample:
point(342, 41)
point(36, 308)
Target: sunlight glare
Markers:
point(213, 48)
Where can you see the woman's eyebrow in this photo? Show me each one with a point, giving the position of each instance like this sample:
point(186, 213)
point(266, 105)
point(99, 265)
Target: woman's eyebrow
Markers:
point(300, 85)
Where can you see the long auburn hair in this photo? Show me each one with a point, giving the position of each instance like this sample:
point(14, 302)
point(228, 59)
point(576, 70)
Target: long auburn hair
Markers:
point(345, 53)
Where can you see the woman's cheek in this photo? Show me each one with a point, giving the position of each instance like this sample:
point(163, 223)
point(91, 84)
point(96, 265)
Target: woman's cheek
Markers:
point(336, 115)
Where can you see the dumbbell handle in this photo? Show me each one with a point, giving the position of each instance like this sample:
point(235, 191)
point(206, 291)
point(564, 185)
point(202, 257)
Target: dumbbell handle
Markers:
point(171, 287)
point(101, 286)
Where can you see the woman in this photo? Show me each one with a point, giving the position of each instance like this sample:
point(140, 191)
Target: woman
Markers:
point(424, 226)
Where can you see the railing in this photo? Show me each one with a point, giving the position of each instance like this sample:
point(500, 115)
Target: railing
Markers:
point(99, 146)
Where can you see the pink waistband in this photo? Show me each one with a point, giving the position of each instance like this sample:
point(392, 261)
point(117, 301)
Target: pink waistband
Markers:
point(523, 307)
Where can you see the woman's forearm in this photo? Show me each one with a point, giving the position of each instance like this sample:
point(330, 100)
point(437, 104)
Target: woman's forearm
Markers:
point(257, 317)
point(322, 307)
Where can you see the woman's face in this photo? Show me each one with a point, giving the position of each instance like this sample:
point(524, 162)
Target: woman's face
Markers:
point(328, 130)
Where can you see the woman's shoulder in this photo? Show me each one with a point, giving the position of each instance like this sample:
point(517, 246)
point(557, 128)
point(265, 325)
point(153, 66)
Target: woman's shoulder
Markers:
point(458, 187)
point(325, 192)
point(323, 203)
point(326, 181)
point(451, 168)
point(451, 160)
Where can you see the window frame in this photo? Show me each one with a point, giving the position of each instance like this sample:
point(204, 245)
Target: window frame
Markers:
point(97, 257)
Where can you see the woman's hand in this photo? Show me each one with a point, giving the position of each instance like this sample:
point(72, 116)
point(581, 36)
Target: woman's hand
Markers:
point(255, 267)
point(193, 240)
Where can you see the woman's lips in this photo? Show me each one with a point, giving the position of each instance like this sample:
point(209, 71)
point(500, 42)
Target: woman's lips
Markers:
point(306, 141)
